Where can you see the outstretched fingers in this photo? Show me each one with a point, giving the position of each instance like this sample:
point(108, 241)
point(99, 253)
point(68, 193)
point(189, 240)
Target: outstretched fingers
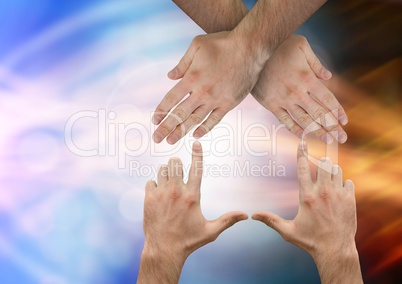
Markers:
point(192, 120)
point(172, 98)
point(286, 120)
point(213, 119)
point(175, 118)
point(329, 101)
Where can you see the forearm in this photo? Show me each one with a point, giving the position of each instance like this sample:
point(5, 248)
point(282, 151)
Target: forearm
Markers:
point(270, 22)
point(214, 16)
point(156, 267)
point(339, 267)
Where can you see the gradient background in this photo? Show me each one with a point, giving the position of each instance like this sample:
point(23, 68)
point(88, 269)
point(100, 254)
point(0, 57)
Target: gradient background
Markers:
point(71, 219)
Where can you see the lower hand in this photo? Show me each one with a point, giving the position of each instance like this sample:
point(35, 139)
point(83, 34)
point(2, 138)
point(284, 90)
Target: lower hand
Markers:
point(174, 225)
point(326, 221)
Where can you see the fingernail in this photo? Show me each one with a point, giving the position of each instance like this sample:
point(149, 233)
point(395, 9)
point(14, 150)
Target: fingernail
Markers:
point(157, 137)
point(335, 170)
point(344, 120)
point(197, 134)
point(156, 119)
point(197, 145)
point(327, 74)
point(342, 138)
point(172, 139)
point(172, 73)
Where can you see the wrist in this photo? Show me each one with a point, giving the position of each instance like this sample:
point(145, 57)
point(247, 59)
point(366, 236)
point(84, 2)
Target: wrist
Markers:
point(162, 254)
point(339, 266)
point(244, 40)
point(158, 267)
point(335, 254)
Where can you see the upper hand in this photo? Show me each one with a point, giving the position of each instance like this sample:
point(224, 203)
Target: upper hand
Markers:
point(290, 87)
point(326, 220)
point(218, 72)
point(173, 222)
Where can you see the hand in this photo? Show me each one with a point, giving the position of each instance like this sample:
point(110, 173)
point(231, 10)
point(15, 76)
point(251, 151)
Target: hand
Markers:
point(325, 225)
point(218, 71)
point(173, 222)
point(326, 221)
point(290, 87)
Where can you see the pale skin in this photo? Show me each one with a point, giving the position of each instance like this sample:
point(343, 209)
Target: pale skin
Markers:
point(325, 225)
point(174, 225)
point(220, 69)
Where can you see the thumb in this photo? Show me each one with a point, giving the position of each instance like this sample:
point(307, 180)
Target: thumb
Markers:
point(226, 221)
point(274, 221)
point(184, 64)
point(319, 70)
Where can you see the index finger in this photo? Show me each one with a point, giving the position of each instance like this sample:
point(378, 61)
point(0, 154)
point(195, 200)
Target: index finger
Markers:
point(195, 175)
point(303, 168)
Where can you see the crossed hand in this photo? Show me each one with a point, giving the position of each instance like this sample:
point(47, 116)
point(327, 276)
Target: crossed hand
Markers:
point(290, 85)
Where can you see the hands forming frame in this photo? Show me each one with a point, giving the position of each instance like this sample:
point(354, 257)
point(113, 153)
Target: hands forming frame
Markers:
point(250, 52)
point(325, 225)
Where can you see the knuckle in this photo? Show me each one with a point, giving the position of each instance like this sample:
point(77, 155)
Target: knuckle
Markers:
point(333, 128)
point(304, 119)
point(180, 130)
point(206, 89)
point(324, 193)
point(193, 77)
point(297, 94)
point(195, 118)
point(164, 129)
point(329, 101)
point(309, 200)
point(319, 133)
point(228, 223)
point(284, 119)
point(212, 236)
point(287, 237)
point(304, 170)
point(319, 114)
point(150, 184)
point(197, 39)
point(191, 200)
point(214, 119)
point(170, 99)
point(302, 40)
point(179, 114)
point(295, 130)
point(174, 194)
point(306, 77)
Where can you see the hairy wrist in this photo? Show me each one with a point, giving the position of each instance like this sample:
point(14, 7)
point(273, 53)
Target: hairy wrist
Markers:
point(160, 253)
point(158, 266)
point(334, 254)
point(338, 266)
